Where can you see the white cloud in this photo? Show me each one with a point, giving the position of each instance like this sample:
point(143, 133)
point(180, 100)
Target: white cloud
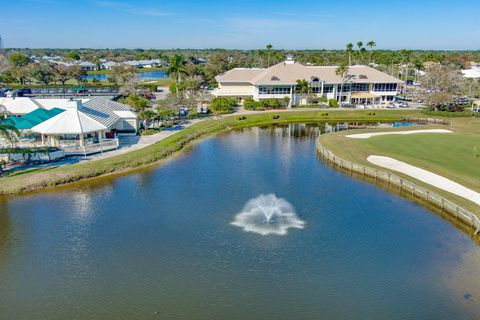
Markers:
point(120, 6)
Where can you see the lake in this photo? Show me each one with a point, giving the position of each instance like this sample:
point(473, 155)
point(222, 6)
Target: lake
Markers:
point(151, 75)
point(187, 240)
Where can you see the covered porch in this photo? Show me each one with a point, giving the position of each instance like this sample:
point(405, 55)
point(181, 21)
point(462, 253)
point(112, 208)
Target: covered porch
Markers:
point(365, 99)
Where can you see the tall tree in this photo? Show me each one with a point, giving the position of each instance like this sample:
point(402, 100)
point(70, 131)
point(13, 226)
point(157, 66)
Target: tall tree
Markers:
point(42, 72)
point(269, 54)
point(406, 57)
point(342, 71)
point(77, 73)
point(361, 50)
point(371, 45)
point(7, 129)
point(176, 68)
point(349, 51)
point(61, 73)
point(440, 85)
point(18, 60)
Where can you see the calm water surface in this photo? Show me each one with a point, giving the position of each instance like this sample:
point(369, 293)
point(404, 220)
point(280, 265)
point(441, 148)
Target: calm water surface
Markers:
point(151, 75)
point(159, 244)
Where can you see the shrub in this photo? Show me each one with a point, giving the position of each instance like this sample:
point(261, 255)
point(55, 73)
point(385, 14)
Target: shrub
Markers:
point(250, 104)
point(332, 103)
point(275, 117)
point(242, 118)
point(223, 105)
point(313, 99)
point(149, 132)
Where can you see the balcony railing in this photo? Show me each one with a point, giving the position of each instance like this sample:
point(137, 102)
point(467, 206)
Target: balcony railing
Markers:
point(105, 145)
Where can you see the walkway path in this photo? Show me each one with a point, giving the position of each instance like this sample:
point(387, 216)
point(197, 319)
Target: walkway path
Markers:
point(427, 177)
point(132, 143)
point(374, 134)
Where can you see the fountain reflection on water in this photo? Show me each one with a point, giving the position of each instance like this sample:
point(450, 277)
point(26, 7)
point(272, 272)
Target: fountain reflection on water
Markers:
point(267, 215)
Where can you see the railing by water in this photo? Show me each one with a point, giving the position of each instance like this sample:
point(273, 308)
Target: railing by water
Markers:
point(105, 145)
point(403, 185)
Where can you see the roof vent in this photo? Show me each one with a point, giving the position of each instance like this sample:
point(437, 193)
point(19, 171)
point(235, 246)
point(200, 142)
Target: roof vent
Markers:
point(275, 78)
point(362, 76)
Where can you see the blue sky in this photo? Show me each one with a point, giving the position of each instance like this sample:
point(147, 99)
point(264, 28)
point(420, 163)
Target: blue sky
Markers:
point(241, 24)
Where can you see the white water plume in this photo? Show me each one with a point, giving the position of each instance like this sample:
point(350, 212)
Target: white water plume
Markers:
point(268, 214)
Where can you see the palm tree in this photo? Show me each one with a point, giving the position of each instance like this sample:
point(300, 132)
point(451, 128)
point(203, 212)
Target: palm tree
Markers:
point(176, 68)
point(146, 115)
point(406, 55)
point(7, 129)
point(269, 54)
point(361, 50)
point(371, 45)
point(349, 51)
point(303, 87)
point(342, 71)
point(418, 67)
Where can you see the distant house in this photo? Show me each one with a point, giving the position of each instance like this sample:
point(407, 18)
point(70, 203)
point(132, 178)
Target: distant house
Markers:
point(88, 66)
point(147, 63)
point(473, 73)
point(198, 60)
point(108, 65)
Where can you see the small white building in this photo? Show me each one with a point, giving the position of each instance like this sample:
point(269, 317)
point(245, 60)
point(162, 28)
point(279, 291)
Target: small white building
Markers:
point(75, 132)
point(119, 118)
point(473, 73)
point(88, 66)
point(108, 65)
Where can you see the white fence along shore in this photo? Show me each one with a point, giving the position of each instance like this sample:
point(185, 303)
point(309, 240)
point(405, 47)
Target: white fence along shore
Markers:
point(404, 185)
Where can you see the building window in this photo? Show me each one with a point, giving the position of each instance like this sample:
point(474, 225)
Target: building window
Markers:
point(385, 87)
point(328, 88)
point(360, 87)
point(273, 90)
point(347, 87)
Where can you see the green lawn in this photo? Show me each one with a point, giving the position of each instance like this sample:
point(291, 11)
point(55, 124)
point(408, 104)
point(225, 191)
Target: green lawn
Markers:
point(448, 154)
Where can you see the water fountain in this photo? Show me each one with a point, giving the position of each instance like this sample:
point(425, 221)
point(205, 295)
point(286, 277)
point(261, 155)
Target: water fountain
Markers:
point(267, 214)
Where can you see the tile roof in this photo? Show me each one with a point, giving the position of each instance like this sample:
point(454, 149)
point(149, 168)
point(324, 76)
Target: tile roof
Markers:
point(288, 73)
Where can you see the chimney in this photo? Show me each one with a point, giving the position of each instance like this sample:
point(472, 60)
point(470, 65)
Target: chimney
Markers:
point(289, 59)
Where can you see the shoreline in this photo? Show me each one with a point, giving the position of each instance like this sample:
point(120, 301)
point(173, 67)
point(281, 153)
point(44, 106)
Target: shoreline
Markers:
point(404, 187)
point(163, 150)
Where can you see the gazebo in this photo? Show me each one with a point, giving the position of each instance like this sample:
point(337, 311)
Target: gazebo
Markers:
point(72, 130)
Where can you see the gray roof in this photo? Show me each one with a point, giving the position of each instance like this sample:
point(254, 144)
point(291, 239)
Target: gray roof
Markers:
point(103, 110)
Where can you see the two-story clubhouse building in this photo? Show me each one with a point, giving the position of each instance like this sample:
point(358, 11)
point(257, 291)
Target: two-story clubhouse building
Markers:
point(362, 85)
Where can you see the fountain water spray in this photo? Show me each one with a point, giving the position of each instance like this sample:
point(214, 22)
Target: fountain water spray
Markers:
point(268, 214)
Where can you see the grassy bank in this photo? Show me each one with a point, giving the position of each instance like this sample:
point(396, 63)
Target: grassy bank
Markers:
point(451, 155)
point(25, 181)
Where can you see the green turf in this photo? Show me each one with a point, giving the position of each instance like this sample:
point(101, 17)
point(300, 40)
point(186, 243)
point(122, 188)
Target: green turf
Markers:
point(450, 155)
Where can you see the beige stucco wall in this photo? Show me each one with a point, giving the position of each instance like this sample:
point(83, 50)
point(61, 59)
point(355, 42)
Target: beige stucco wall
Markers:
point(235, 89)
